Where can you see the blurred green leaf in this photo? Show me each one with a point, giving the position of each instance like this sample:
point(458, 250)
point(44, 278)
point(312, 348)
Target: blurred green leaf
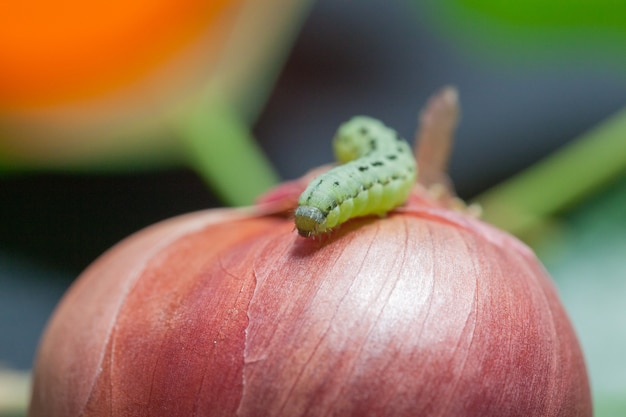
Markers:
point(525, 203)
point(553, 13)
point(533, 30)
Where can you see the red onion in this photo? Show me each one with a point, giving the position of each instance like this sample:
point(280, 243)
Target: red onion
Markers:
point(427, 312)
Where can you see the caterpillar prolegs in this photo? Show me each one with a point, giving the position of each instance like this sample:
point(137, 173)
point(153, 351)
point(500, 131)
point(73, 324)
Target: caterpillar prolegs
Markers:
point(377, 175)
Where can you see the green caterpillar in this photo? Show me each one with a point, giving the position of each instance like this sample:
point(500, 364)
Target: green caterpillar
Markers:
point(377, 175)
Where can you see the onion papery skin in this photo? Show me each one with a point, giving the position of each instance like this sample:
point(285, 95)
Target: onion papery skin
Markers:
point(425, 312)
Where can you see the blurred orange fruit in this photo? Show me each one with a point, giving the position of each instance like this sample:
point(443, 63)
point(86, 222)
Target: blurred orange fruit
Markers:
point(52, 52)
point(105, 82)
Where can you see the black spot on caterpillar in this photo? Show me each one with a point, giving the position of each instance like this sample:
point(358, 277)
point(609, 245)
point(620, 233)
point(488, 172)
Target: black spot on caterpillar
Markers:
point(364, 184)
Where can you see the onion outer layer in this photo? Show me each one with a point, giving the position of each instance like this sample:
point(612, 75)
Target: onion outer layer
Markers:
point(226, 312)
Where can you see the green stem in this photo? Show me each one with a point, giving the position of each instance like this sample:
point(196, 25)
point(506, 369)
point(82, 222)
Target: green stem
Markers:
point(526, 201)
point(14, 392)
point(223, 151)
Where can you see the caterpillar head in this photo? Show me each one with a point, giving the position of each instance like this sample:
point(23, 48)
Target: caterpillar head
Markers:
point(310, 221)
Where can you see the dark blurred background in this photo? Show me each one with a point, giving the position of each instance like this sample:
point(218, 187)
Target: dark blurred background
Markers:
point(368, 57)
